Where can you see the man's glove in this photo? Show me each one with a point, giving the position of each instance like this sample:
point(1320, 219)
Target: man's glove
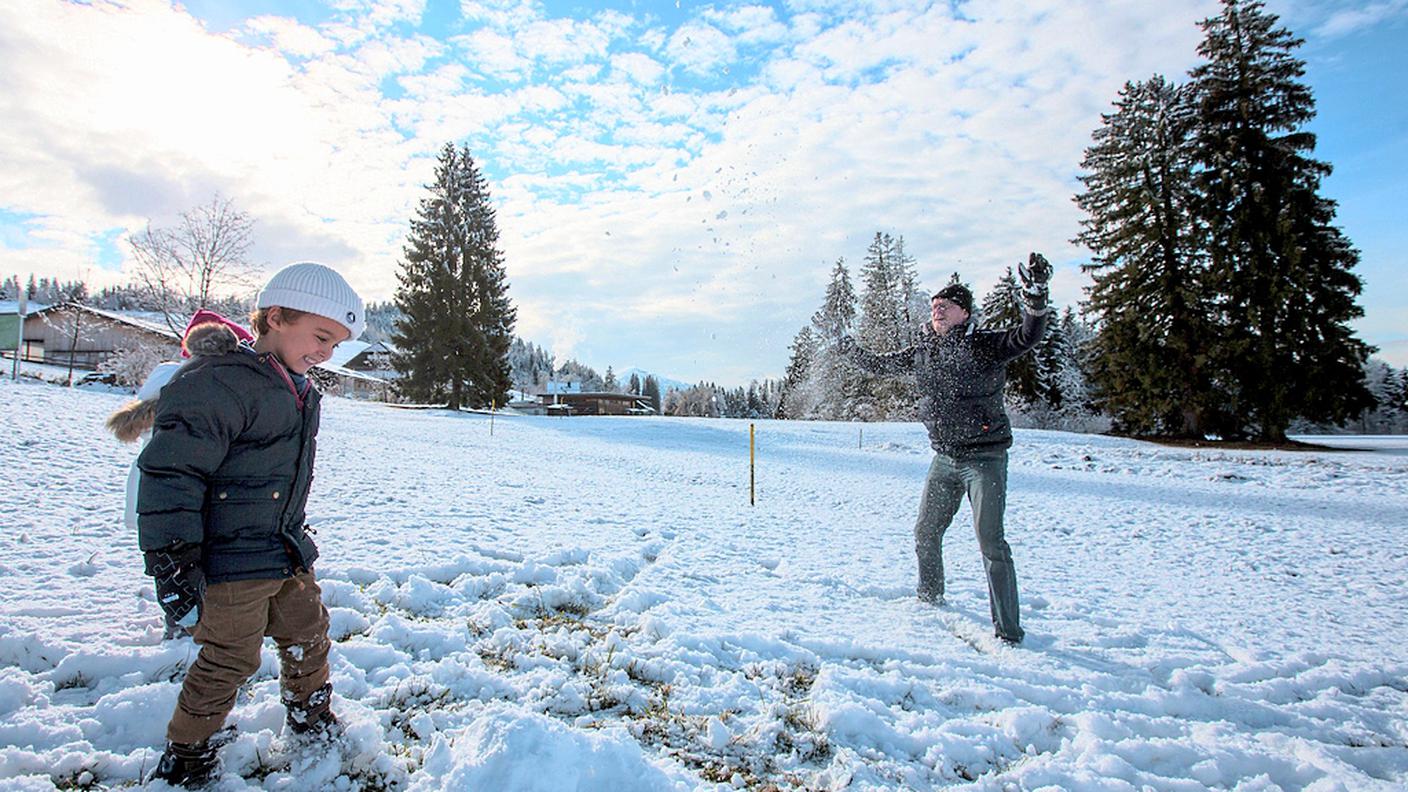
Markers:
point(180, 582)
point(1035, 275)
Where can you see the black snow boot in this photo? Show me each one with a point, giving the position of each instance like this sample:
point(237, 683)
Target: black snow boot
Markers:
point(314, 716)
point(190, 766)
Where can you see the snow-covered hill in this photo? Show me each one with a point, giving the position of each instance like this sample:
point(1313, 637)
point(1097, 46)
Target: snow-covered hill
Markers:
point(584, 604)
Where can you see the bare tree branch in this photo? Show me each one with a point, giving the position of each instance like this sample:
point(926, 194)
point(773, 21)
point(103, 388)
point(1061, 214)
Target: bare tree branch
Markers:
point(194, 264)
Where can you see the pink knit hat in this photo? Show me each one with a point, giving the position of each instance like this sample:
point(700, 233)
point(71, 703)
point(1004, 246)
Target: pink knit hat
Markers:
point(203, 317)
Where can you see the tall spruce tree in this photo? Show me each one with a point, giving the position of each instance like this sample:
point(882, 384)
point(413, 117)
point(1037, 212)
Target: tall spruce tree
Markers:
point(885, 277)
point(834, 380)
point(651, 391)
point(792, 403)
point(1151, 292)
point(457, 322)
point(885, 324)
point(1283, 270)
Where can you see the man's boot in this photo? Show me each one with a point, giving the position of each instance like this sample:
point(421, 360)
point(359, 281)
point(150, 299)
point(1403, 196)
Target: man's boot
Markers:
point(191, 766)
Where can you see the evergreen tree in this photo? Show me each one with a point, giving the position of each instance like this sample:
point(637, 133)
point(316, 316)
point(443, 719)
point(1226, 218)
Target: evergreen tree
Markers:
point(834, 381)
point(456, 326)
point(883, 302)
point(651, 391)
point(585, 376)
point(1402, 395)
point(837, 314)
point(792, 403)
point(885, 325)
point(1053, 361)
point(915, 301)
point(610, 383)
point(530, 366)
point(1151, 291)
point(634, 385)
point(381, 322)
point(1382, 383)
point(1283, 271)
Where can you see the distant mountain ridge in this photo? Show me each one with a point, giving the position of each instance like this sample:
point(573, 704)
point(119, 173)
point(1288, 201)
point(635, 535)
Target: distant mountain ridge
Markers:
point(666, 384)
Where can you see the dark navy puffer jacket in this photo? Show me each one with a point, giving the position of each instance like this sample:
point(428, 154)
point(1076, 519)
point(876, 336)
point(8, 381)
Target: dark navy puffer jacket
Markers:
point(229, 467)
point(960, 376)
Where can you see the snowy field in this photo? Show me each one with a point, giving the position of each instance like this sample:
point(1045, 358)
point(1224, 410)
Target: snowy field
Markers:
point(592, 604)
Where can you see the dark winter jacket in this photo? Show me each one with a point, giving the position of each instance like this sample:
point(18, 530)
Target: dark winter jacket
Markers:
point(229, 467)
point(959, 376)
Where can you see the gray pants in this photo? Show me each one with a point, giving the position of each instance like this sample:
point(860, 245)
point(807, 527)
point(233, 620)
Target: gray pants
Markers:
point(983, 476)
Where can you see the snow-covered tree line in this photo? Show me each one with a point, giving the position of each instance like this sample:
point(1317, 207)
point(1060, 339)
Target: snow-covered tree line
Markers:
point(1223, 292)
point(1389, 415)
point(757, 400)
point(1046, 389)
point(44, 291)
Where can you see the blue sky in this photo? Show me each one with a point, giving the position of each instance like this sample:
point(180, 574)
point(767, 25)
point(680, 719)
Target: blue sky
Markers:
point(674, 180)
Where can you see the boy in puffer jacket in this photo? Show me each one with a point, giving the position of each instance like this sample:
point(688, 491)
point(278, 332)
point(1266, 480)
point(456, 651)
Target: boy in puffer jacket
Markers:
point(133, 421)
point(224, 482)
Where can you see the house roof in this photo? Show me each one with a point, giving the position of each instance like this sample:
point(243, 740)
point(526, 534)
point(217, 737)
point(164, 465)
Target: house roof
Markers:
point(345, 351)
point(147, 325)
point(340, 371)
point(600, 395)
point(13, 307)
point(366, 350)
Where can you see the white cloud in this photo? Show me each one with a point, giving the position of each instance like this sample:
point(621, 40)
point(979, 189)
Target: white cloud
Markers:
point(492, 53)
point(638, 67)
point(562, 41)
point(754, 24)
point(701, 48)
point(501, 14)
point(291, 37)
point(1348, 21)
point(639, 216)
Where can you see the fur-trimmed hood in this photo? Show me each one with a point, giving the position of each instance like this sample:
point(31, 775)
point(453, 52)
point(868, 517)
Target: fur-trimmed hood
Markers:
point(133, 419)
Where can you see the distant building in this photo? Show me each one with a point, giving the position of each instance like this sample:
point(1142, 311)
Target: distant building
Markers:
point(594, 403)
point(373, 359)
point(81, 336)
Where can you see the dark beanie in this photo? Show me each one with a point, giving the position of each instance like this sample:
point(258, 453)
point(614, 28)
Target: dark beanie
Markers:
point(957, 294)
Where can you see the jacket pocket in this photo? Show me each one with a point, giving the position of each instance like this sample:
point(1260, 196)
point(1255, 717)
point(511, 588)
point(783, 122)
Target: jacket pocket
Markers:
point(244, 507)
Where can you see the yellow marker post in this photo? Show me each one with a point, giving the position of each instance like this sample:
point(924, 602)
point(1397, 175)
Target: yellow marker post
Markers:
point(752, 467)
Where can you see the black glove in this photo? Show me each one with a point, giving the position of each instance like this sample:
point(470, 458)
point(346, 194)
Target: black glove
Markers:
point(1035, 275)
point(180, 582)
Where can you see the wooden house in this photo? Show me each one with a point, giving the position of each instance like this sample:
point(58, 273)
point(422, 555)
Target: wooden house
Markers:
point(78, 335)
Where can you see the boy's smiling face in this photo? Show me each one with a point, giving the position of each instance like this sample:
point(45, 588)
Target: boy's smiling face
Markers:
point(303, 342)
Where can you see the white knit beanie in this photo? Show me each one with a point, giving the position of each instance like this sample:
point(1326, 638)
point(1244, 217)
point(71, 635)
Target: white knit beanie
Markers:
point(311, 287)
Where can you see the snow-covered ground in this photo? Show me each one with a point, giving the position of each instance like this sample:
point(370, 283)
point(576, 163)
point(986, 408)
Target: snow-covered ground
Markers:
point(584, 604)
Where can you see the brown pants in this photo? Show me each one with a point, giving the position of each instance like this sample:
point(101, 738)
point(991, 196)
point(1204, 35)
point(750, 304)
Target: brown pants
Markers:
point(234, 619)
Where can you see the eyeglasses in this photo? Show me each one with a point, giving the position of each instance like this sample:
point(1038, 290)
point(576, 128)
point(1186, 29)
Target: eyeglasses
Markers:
point(944, 305)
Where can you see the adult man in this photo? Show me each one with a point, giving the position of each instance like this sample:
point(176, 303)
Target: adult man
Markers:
point(959, 372)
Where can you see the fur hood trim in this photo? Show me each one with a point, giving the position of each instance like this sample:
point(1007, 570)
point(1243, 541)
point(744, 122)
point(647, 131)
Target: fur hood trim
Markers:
point(128, 422)
point(210, 339)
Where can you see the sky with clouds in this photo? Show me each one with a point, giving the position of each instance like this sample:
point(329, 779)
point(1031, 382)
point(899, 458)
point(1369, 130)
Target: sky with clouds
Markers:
point(674, 180)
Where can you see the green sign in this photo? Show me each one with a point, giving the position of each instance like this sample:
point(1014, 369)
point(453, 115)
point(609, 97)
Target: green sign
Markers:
point(9, 331)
